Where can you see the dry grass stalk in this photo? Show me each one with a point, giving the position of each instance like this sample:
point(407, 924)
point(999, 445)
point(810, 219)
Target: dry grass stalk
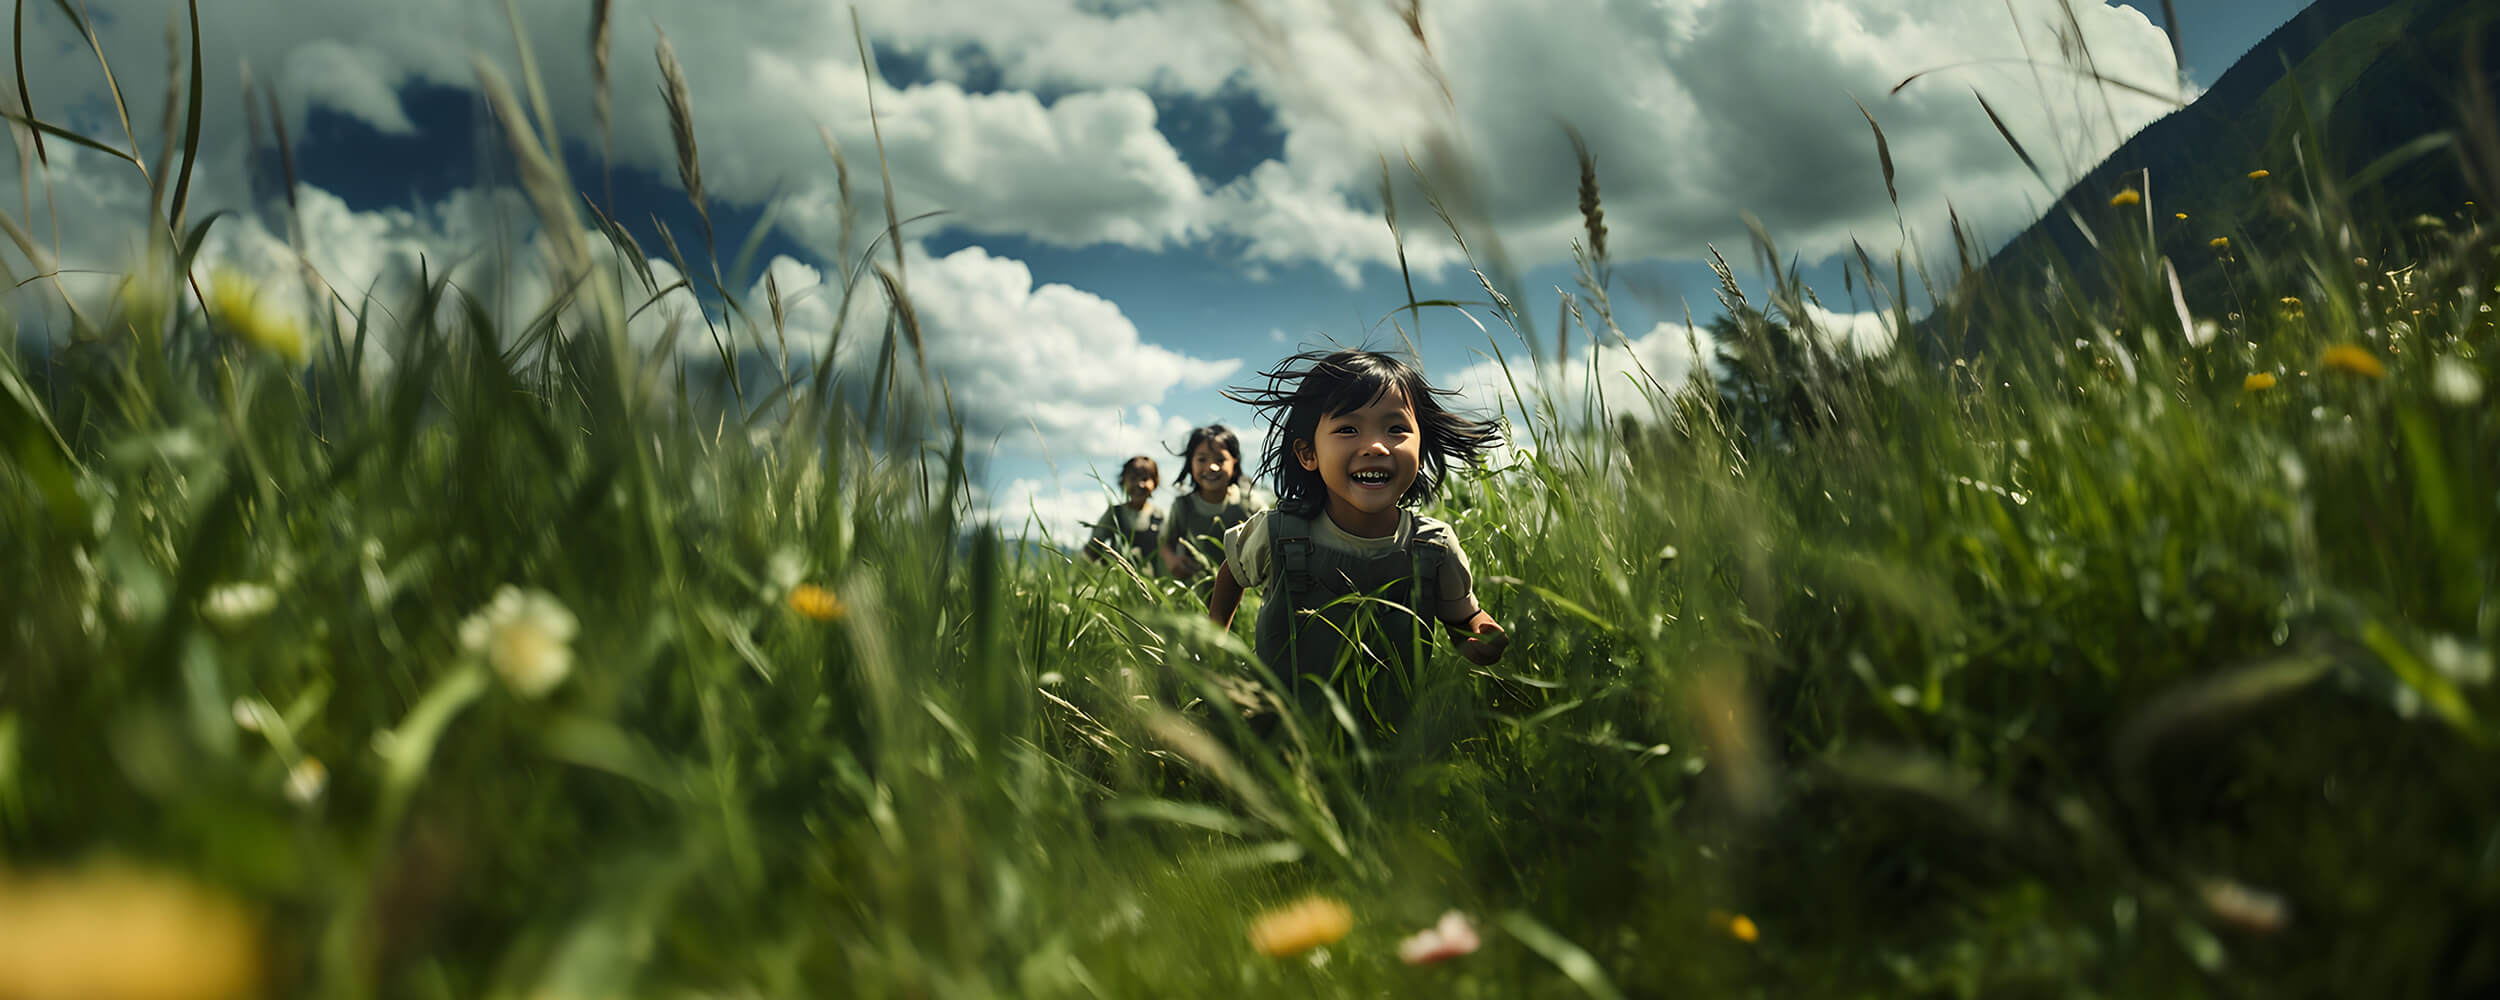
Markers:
point(680, 103)
point(601, 28)
point(849, 213)
point(541, 180)
point(1883, 155)
point(1592, 215)
point(772, 301)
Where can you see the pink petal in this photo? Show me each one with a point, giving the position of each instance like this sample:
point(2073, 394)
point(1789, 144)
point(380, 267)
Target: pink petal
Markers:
point(1449, 939)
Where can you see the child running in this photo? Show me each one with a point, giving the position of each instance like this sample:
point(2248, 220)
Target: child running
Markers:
point(1214, 501)
point(1130, 529)
point(1356, 438)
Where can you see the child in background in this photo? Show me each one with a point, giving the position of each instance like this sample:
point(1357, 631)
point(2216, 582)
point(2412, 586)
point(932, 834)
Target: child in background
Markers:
point(1356, 438)
point(1214, 502)
point(1131, 529)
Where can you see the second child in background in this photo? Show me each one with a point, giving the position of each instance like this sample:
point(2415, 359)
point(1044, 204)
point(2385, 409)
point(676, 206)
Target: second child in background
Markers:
point(1131, 529)
point(1213, 502)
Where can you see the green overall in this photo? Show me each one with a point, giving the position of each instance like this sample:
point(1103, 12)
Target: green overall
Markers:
point(1304, 631)
point(1131, 533)
point(1196, 529)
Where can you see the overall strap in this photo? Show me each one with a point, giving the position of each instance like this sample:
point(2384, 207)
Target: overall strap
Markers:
point(1290, 537)
point(1429, 548)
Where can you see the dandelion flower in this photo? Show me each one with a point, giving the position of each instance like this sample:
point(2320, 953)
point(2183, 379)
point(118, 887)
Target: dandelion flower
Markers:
point(234, 605)
point(2125, 198)
point(1452, 937)
point(2355, 359)
point(2455, 382)
point(116, 932)
point(2219, 243)
point(2259, 174)
point(2181, 216)
point(816, 602)
point(1299, 926)
point(1736, 925)
point(2257, 381)
point(526, 636)
point(236, 302)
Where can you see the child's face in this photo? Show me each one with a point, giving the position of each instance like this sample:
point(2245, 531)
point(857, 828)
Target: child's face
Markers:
point(1368, 457)
point(1140, 482)
point(1211, 466)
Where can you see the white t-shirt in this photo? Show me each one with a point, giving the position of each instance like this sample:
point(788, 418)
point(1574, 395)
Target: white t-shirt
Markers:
point(1248, 554)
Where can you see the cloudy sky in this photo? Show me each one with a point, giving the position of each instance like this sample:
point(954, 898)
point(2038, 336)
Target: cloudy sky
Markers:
point(1143, 201)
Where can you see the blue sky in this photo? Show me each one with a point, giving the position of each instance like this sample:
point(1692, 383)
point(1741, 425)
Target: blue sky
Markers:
point(1148, 200)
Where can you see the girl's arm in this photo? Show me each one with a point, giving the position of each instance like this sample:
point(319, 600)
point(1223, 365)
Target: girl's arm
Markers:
point(1173, 562)
point(1227, 596)
point(1479, 638)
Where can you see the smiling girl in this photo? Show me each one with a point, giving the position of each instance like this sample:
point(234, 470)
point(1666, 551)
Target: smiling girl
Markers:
point(1356, 438)
point(1212, 500)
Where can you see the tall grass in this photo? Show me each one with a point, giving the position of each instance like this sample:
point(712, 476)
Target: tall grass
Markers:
point(2076, 667)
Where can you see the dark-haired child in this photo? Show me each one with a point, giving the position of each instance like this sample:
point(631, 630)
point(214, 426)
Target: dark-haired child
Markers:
point(1357, 438)
point(1212, 502)
point(1130, 529)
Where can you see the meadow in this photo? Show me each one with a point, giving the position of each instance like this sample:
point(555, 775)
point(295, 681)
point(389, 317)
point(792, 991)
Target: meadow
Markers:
point(2148, 652)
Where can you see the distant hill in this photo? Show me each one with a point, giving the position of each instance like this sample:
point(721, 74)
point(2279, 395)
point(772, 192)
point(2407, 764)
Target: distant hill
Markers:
point(2376, 74)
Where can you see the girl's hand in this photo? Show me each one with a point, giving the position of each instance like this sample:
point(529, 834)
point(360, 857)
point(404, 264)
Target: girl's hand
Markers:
point(1485, 646)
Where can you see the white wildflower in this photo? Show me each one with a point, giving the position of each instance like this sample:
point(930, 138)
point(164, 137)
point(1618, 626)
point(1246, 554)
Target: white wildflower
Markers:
point(526, 636)
point(1450, 938)
point(2460, 661)
point(305, 781)
point(232, 605)
point(252, 715)
point(2455, 382)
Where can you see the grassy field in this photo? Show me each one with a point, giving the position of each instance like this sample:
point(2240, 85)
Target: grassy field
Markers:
point(2126, 659)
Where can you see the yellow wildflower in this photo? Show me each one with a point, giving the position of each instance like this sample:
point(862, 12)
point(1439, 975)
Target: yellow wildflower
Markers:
point(2355, 359)
point(235, 300)
point(1736, 925)
point(2181, 216)
point(118, 932)
point(2259, 174)
point(2219, 243)
point(2125, 198)
point(2257, 381)
point(1299, 926)
point(816, 602)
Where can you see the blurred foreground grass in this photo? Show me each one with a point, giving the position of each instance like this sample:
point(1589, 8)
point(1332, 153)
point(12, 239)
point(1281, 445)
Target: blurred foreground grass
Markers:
point(2131, 658)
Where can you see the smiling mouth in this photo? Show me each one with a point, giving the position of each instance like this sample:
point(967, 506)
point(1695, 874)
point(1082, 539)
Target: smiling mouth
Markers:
point(1372, 477)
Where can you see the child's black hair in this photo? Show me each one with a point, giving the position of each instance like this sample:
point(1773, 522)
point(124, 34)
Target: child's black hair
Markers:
point(1215, 434)
point(1307, 386)
point(1154, 468)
